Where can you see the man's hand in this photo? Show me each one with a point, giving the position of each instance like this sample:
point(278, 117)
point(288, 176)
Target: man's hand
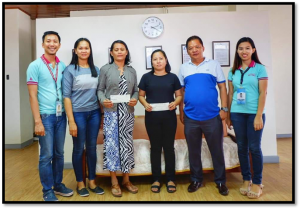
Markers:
point(182, 117)
point(223, 114)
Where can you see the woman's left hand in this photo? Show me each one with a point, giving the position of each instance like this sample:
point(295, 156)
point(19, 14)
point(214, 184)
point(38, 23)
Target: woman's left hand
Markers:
point(258, 123)
point(132, 102)
point(172, 106)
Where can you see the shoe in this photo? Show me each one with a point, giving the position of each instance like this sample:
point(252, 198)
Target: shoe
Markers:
point(244, 191)
point(194, 186)
point(63, 191)
point(156, 187)
point(223, 190)
point(116, 190)
point(97, 190)
point(130, 187)
point(49, 196)
point(170, 187)
point(83, 192)
point(254, 195)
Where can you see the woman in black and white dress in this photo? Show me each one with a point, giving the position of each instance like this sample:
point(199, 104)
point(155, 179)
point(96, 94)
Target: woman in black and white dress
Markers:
point(118, 78)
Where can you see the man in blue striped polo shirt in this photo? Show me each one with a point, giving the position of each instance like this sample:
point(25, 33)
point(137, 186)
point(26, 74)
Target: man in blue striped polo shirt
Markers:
point(201, 113)
point(44, 77)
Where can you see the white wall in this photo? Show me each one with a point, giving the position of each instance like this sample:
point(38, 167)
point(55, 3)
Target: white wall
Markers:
point(280, 22)
point(18, 117)
point(25, 57)
point(281, 51)
point(102, 31)
point(12, 97)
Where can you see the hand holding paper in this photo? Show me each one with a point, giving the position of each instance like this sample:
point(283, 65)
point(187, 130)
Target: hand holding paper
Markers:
point(120, 98)
point(160, 106)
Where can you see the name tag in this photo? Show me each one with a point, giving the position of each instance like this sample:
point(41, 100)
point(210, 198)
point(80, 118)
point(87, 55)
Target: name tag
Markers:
point(241, 96)
point(58, 108)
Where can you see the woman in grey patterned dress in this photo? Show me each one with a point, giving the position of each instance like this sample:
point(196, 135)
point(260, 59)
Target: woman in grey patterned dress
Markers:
point(118, 78)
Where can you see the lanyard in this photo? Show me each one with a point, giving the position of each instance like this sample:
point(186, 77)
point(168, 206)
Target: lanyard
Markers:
point(56, 75)
point(242, 76)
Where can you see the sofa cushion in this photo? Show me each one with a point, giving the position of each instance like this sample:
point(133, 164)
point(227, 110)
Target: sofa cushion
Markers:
point(142, 157)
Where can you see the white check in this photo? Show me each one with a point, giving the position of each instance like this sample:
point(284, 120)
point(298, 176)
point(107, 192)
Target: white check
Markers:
point(120, 98)
point(160, 106)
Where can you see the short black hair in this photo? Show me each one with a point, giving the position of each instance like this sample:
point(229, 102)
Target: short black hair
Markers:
point(50, 33)
point(193, 38)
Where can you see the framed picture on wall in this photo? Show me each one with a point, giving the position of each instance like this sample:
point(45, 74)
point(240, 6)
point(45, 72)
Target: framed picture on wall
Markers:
point(184, 55)
point(221, 52)
point(109, 59)
point(148, 52)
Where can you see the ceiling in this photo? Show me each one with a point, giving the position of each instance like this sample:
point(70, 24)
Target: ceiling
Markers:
point(63, 10)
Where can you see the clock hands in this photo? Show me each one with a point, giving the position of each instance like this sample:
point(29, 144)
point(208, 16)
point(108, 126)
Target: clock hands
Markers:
point(155, 28)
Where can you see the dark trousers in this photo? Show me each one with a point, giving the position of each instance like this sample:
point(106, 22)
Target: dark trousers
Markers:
point(247, 138)
point(161, 128)
point(213, 132)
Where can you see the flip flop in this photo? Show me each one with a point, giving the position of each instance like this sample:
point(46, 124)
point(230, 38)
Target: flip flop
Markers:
point(169, 188)
point(155, 187)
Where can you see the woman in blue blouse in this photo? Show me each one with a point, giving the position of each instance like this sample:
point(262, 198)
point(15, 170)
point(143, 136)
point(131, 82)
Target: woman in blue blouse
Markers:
point(247, 82)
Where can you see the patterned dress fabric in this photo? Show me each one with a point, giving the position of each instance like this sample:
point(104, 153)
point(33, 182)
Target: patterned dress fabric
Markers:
point(118, 142)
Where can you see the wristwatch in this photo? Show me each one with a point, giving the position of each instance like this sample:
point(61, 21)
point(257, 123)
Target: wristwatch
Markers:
point(224, 109)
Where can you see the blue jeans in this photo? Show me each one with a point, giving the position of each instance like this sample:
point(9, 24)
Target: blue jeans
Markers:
point(51, 162)
point(88, 124)
point(248, 139)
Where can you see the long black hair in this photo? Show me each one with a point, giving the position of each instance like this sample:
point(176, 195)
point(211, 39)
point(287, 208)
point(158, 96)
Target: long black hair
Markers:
point(74, 60)
point(168, 66)
point(237, 60)
point(127, 58)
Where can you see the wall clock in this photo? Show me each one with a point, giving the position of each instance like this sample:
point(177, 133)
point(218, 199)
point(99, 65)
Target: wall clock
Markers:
point(152, 27)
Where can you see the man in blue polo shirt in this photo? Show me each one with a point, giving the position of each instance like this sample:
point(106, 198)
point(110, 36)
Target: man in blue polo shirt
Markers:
point(44, 77)
point(201, 113)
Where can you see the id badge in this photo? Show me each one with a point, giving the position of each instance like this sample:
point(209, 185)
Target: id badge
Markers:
point(58, 108)
point(241, 96)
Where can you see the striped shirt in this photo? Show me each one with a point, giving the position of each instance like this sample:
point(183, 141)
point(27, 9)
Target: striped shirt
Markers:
point(81, 88)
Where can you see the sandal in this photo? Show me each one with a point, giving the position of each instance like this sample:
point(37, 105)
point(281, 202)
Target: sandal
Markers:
point(116, 190)
point(244, 191)
point(255, 195)
point(155, 187)
point(171, 186)
point(130, 187)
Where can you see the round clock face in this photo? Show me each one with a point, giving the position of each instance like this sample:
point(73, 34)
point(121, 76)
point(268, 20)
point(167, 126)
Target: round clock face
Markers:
point(152, 27)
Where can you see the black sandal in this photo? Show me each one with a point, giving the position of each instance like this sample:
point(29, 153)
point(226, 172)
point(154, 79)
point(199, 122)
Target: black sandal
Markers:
point(156, 187)
point(171, 186)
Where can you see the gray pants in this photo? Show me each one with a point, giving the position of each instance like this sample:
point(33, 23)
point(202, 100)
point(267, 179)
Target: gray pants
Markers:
point(213, 132)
